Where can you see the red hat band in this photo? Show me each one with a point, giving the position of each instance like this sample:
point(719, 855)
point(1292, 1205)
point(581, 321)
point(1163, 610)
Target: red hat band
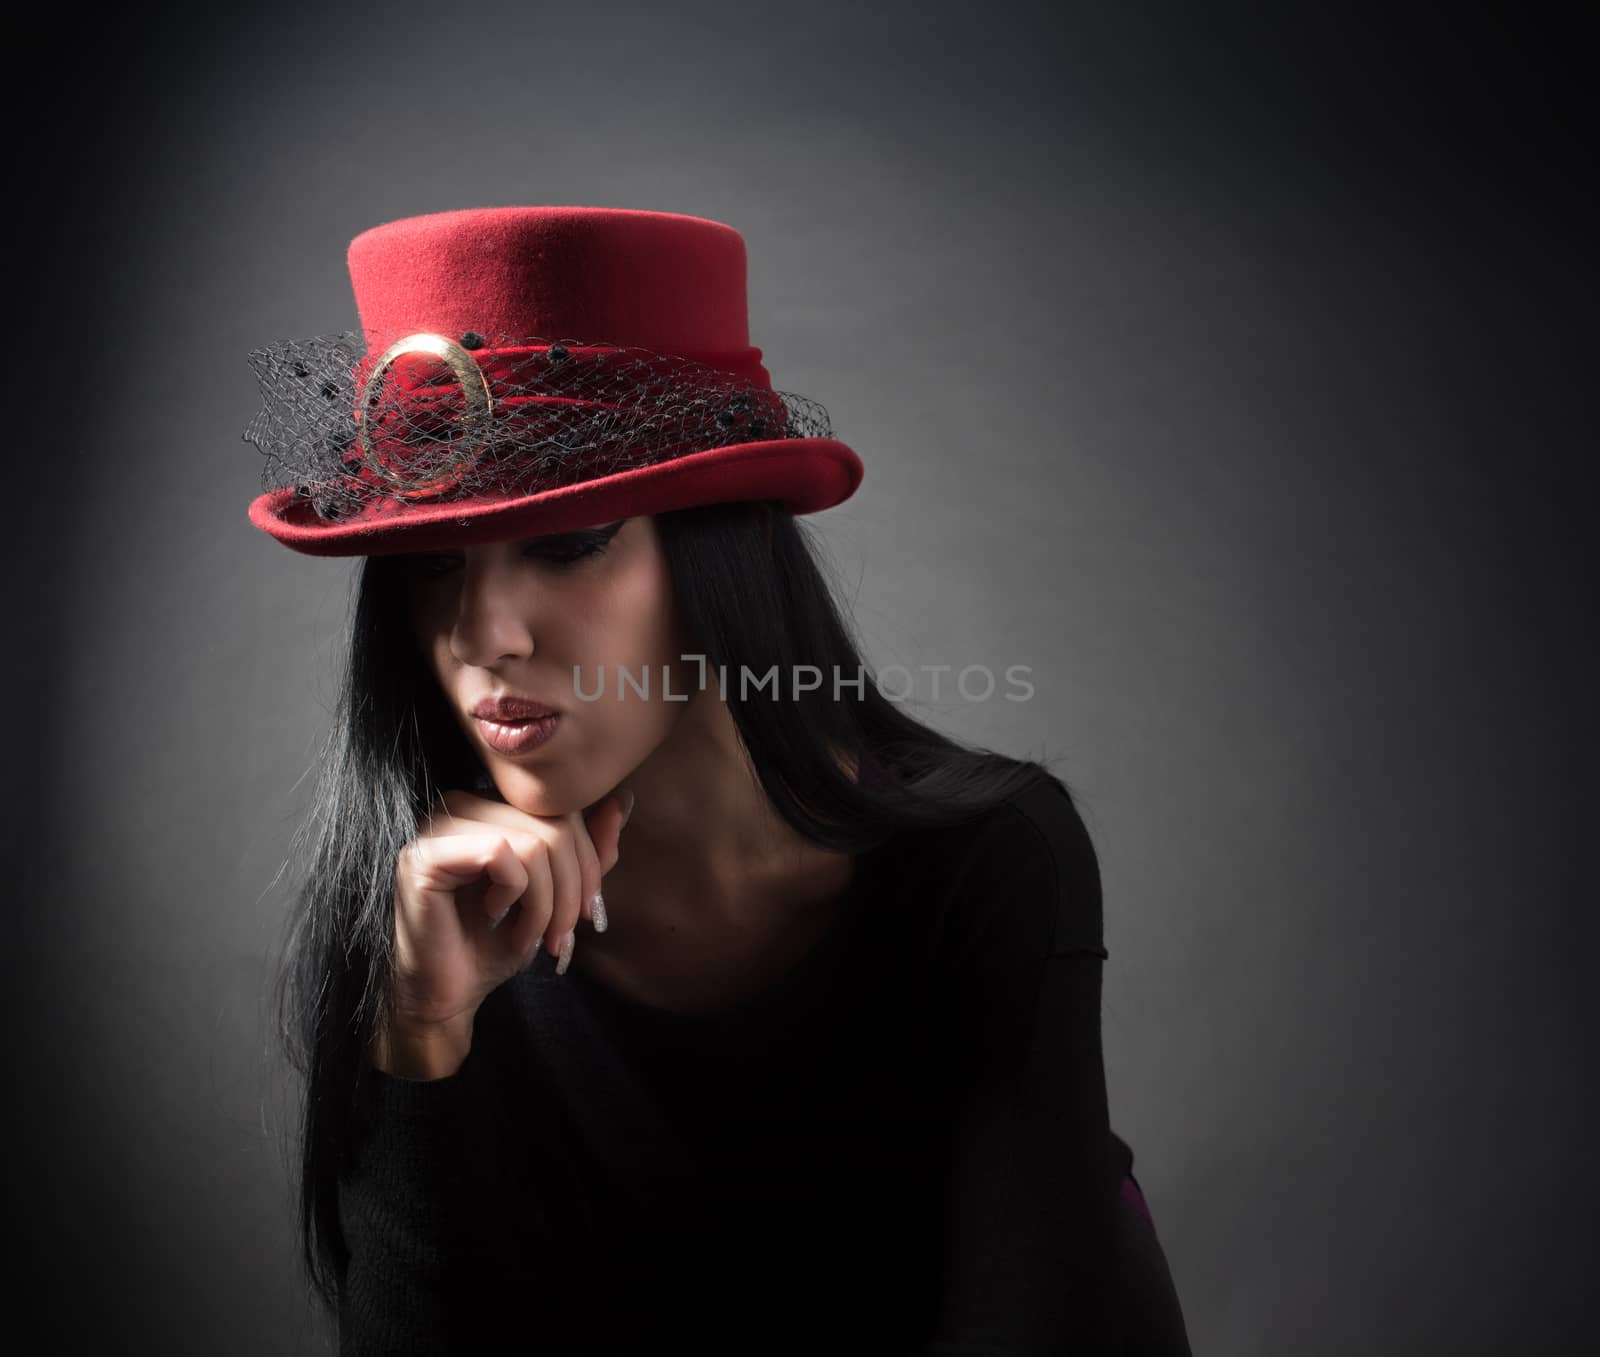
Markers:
point(425, 406)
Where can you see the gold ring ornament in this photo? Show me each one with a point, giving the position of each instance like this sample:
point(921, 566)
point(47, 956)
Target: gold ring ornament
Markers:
point(471, 423)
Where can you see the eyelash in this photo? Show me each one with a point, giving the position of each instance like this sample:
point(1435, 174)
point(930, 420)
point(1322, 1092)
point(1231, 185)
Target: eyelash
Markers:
point(428, 565)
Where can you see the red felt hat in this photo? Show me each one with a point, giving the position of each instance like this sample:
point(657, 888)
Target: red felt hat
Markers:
point(530, 370)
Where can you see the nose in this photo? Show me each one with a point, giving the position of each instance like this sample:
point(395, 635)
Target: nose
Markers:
point(491, 615)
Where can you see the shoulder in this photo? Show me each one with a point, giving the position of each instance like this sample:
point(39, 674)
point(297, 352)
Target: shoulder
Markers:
point(1010, 900)
point(1025, 875)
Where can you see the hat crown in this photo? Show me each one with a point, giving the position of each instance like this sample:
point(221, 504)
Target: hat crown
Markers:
point(661, 281)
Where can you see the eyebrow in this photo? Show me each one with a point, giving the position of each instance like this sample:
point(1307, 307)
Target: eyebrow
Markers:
point(609, 529)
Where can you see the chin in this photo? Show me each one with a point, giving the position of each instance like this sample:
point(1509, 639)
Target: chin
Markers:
point(532, 794)
point(541, 807)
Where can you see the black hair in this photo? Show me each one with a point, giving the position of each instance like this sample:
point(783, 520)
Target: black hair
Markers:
point(751, 589)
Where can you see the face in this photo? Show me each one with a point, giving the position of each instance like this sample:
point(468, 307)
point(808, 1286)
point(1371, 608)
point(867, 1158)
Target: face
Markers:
point(546, 618)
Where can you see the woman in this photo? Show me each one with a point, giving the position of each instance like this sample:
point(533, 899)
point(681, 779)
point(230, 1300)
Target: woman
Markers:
point(657, 980)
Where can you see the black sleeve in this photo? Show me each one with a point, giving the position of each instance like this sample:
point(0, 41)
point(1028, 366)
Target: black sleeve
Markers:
point(1030, 1186)
point(418, 1198)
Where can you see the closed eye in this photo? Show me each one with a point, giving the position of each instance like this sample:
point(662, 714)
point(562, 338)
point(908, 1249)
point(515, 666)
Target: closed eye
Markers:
point(561, 550)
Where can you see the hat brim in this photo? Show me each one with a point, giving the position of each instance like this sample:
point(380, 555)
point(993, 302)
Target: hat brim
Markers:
point(805, 475)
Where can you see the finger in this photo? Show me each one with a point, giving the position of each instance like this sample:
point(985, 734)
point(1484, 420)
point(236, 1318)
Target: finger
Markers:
point(589, 869)
point(444, 866)
point(461, 808)
point(576, 861)
point(604, 822)
point(533, 919)
point(568, 880)
point(508, 871)
point(568, 903)
point(466, 808)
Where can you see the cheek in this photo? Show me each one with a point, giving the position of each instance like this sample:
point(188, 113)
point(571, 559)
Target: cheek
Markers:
point(428, 634)
point(637, 632)
point(433, 650)
point(640, 621)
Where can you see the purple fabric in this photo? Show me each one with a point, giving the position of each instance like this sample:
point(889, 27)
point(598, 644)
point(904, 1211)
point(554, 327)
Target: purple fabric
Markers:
point(1135, 1198)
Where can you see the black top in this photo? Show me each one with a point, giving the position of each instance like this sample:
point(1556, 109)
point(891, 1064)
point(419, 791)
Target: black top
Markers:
point(902, 1148)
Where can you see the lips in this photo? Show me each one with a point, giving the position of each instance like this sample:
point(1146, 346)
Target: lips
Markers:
point(521, 737)
point(509, 710)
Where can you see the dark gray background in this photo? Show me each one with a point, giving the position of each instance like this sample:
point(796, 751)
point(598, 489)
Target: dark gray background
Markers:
point(1232, 369)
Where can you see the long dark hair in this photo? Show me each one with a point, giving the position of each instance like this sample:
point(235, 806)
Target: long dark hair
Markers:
point(752, 592)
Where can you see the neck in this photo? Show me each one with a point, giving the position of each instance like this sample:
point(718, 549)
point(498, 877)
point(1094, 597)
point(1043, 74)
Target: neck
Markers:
point(701, 817)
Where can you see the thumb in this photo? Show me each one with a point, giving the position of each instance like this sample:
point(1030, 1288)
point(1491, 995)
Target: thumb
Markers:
point(605, 824)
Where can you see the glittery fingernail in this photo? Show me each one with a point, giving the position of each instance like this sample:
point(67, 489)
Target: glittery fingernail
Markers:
point(598, 908)
point(565, 958)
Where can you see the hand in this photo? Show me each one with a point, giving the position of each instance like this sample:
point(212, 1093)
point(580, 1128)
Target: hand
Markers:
point(476, 892)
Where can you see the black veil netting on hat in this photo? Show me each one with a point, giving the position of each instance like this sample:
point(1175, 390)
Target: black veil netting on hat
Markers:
point(543, 414)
